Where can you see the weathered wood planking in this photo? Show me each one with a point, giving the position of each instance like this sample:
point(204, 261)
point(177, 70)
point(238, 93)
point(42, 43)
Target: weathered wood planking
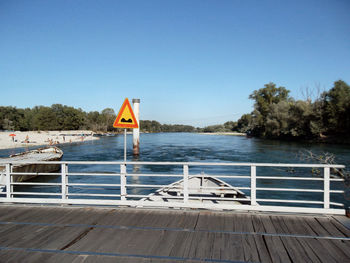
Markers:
point(85, 234)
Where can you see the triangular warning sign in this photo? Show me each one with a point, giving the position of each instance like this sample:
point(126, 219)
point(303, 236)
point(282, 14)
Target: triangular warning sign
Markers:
point(125, 117)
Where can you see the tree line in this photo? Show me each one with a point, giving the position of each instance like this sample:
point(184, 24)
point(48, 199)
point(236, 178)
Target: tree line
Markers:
point(61, 117)
point(56, 117)
point(278, 115)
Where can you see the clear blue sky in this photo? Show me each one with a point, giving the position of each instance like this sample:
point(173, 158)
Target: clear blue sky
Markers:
point(190, 62)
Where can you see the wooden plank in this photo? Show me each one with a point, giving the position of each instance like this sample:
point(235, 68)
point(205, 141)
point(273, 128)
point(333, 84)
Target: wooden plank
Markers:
point(203, 221)
point(201, 245)
point(189, 220)
point(312, 247)
point(326, 223)
point(253, 249)
point(319, 226)
point(13, 256)
point(343, 224)
point(300, 252)
point(181, 244)
point(275, 245)
point(343, 246)
point(295, 250)
point(256, 225)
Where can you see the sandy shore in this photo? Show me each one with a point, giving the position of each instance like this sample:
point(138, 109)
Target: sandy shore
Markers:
point(36, 138)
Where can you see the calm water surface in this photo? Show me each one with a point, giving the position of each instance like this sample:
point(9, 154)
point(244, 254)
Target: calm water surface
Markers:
point(178, 147)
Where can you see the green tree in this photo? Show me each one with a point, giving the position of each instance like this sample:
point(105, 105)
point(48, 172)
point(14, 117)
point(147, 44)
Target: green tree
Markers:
point(44, 118)
point(264, 98)
point(277, 121)
point(108, 116)
point(337, 108)
point(244, 124)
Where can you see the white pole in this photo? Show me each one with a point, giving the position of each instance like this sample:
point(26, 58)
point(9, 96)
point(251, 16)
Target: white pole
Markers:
point(136, 132)
point(185, 183)
point(123, 182)
point(124, 145)
point(253, 185)
point(326, 177)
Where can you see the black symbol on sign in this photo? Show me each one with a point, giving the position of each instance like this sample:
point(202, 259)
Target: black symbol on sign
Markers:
point(124, 120)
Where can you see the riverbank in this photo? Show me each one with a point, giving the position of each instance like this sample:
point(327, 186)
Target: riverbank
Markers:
point(37, 138)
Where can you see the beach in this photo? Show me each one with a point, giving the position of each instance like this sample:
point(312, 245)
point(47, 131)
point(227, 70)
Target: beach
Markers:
point(16, 139)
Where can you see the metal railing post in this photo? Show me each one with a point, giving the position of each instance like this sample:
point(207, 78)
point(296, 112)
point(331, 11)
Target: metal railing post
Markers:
point(8, 181)
point(326, 188)
point(253, 185)
point(64, 180)
point(185, 183)
point(123, 182)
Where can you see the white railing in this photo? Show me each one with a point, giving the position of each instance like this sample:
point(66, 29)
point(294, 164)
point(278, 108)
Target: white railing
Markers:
point(117, 190)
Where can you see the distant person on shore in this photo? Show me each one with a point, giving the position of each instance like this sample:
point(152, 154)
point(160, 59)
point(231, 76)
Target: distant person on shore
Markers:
point(27, 139)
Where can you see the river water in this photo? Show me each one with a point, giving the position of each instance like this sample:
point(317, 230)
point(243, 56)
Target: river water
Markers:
point(190, 147)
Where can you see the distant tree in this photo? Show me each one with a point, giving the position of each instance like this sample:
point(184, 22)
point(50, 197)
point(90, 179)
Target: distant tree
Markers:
point(337, 108)
point(277, 121)
point(264, 98)
point(267, 96)
point(230, 126)
point(244, 124)
point(108, 116)
point(44, 118)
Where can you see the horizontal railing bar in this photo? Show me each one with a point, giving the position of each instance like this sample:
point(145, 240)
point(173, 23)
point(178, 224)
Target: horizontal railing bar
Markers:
point(222, 176)
point(242, 188)
point(30, 183)
point(192, 197)
point(152, 186)
point(102, 195)
point(83, 184)
point(290, 189)
point(289, 178)
point(34, 193)
point(150, 196)
point(337, 204)
point(27, 173)
point(199, 175)
point(93, 174)
point(336, 191)
point(290, 201)
point(180, 164)
point(167, 187)
point(217, 198)
point(336, 179)
point(155, 175)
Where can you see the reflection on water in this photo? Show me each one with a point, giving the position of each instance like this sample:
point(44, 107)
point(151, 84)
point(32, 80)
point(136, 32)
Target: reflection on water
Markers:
point(186, 147)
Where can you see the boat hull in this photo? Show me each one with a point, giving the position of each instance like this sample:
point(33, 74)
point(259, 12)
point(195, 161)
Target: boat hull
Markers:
point(41, 154)
point(202, 189)
point(34, 168)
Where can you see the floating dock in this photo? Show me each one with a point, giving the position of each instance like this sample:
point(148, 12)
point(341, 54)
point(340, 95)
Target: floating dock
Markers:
point(30, 233)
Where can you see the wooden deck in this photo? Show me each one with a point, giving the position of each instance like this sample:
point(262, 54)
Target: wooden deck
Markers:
point(78, 234)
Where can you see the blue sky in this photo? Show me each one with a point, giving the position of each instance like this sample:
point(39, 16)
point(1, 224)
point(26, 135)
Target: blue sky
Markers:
point(190, 62)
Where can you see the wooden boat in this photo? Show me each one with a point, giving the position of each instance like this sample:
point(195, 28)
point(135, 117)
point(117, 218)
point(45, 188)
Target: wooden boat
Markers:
point(42, 154)
point(202, 189)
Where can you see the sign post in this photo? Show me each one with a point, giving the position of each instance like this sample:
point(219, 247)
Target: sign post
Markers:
point(125, 119)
